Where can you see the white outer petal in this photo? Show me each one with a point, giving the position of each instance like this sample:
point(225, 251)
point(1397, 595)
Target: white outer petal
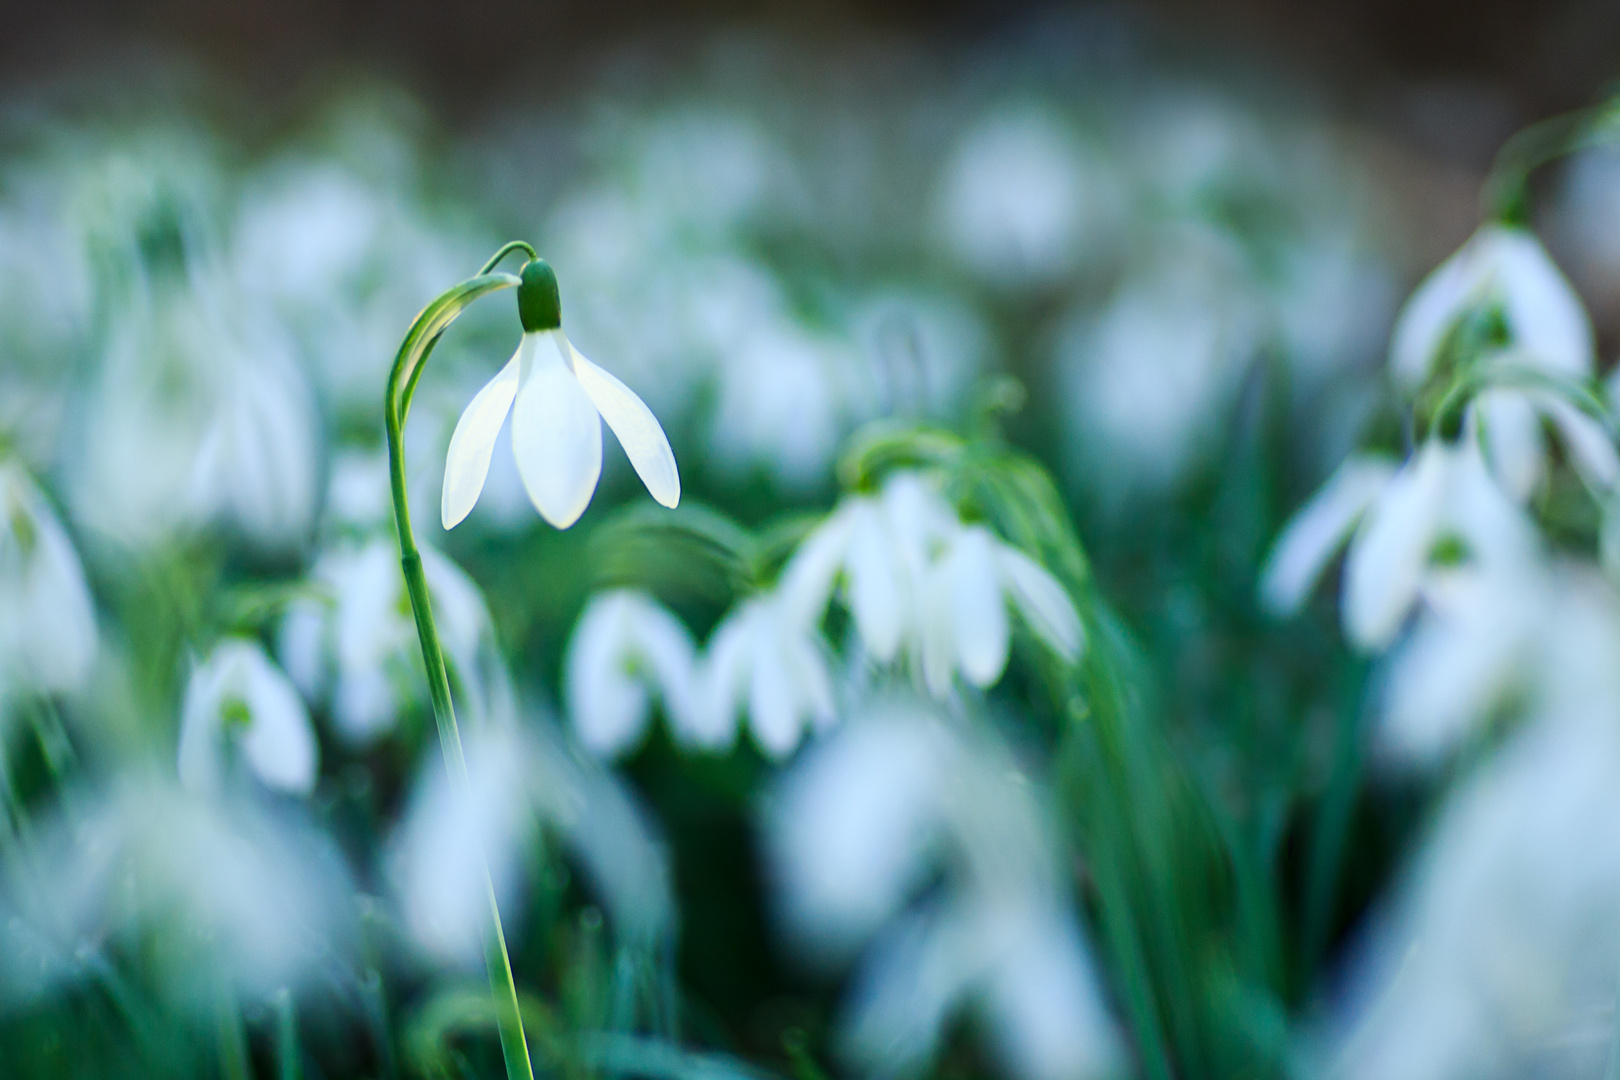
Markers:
point(607, 706)
point(1391, 549)
point(1510, 432)
point(806, 582)
point(721, 681)
point(1317, 531)
point(466, 464)
point(1042, 600)
point(1429, 315)
point(279, 744)
point(1590, 447)
point(556, 435)
point(635, 425)
point(1544, 314)
point(875, 590)
point(978, 608)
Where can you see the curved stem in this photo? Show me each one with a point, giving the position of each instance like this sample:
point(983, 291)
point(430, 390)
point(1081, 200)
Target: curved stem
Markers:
point(408, 365)
point(507, 249)
point(1506, 194)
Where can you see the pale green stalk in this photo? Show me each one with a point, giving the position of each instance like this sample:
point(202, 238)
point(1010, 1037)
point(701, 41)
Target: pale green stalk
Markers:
point(408, 365)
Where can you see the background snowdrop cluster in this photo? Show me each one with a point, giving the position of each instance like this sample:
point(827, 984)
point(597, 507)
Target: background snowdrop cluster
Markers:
point(1141, 599)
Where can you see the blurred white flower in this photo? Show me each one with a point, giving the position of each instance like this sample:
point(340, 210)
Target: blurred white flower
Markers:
point(786, 398)
point(916, 578)
point(1020, 201)
point(523, 779)
point(863, 823)
point(767, 658)
point(47, 617)
point(355, 649)
point(625, 648)
point(558, 400)
point(239, 705)
point(207, 889)
point(1498, 954)
point(1509, 422)
point(1148, 378)
point(964, 610)
point(1318, 530)
point(1442, 493)
point(197, 416)
point(1505, 267)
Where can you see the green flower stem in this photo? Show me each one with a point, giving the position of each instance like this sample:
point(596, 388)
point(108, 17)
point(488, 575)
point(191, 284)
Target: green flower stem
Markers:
point(408, 366)
point(1506, 195)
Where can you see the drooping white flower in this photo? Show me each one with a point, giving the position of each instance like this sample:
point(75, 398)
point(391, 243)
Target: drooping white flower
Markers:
point(917, 579)
point(866, 821)
point(202, 884)
point(1507, 267)
point(355, 648)
point(524, 779)
point(558, 401)
point(625, 648)
point(1443, 492)
point(1510, 423)
point(1021, 201)
point(240, 705)
point(1318, 530)
point(198, 416)
point(965, 607)
point(47, 616)
point(766, 659)
point(1496, 956)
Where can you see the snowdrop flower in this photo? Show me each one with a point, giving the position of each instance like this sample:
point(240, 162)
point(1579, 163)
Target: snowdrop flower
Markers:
point(200, 884)
point(199, 416)
point(786, 397)
point(1020, 202)
point(1150, 375)
point(863, 824)
point(524, 779)
point(356, 649)
point(47, 616)
point(558, 400)
point(238, 703)
point(1510, 423)
point(1506, 267)
point(1497, 957)
point(767, 658)
point(625, 647)
point(1398, 520)
point(965, 604)
point(256, 460)
point(916, 578)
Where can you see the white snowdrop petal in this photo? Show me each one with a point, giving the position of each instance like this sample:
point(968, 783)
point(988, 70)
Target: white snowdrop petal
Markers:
point(978, 609)
point(279, 743)
point(1317, 531)
point(720, 683)
point(1392, 547)
point(874, 583)
point(937, 630)
point(556, 436)
point(666, 646)
point(608, 708)
point(1429, 314)
point(467, 462)
point(1042, 601)
point(806, 582)
point(635, 425)
point(1544, 314)
point(773, 707)
point(1510, 432)
point(1590, 447)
